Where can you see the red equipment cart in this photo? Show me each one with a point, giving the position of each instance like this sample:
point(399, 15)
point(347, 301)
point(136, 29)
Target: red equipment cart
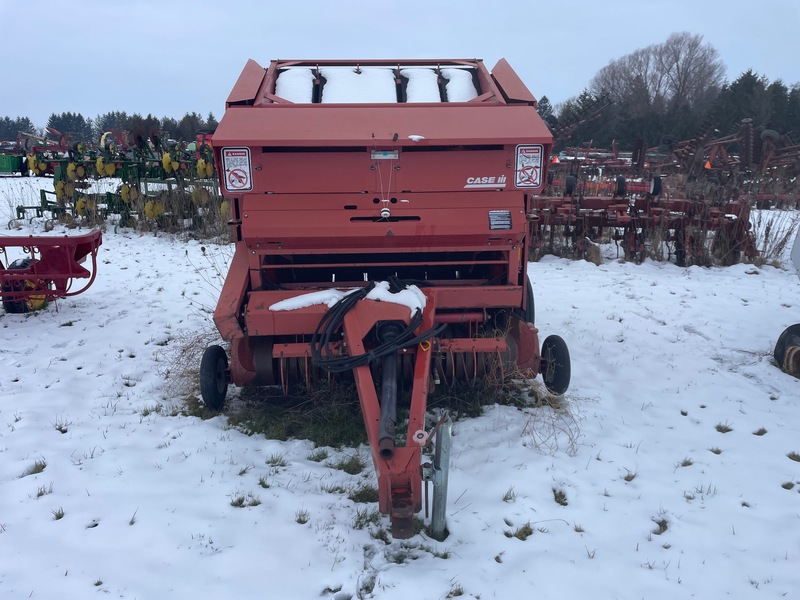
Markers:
point(47, 270)
point(417, 174)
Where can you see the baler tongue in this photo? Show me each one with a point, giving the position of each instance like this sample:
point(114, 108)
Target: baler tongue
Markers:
point(397, 467)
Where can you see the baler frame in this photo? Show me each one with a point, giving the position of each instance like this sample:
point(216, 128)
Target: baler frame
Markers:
point(426, 196)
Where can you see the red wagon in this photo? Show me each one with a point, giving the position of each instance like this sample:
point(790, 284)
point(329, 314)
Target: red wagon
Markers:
point(47, 270)
point(380, 217)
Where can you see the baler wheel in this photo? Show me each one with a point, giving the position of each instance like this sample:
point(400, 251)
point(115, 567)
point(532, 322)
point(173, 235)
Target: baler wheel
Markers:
point(440, 475)
point(214, 377)
point(555, 366)
point(530, 304)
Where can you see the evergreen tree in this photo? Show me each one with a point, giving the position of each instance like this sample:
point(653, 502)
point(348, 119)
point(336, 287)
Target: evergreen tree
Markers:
point(73, 124)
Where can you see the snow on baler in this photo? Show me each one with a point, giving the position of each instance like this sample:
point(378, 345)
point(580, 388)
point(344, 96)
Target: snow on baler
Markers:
point(379, 215)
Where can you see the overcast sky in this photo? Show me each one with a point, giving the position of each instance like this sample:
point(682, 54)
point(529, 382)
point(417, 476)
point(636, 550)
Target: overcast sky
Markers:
point(170, 57)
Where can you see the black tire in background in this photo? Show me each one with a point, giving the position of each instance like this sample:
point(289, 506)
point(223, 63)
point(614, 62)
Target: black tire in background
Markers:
point(655, 186)
point(622, 186)
point(569, 184)
point(789, 337)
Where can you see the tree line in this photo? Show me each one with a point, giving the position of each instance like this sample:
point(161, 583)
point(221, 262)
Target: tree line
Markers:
point(90, 130)
point(670, 91)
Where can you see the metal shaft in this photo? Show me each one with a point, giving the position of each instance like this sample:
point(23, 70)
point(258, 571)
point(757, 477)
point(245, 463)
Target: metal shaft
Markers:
point(388, 422)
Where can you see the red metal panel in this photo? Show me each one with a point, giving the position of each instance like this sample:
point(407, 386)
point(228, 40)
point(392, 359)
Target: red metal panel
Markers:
point(446, 221)
point(232, 296)
point(510, 84)
point(246, 88)
point(260, 320)
point(369, 124)
point(418, 169)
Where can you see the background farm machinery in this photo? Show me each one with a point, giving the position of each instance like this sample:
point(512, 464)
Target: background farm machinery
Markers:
point(159, 182)
point(689, 200)
point(644, 219)
point(49, 267)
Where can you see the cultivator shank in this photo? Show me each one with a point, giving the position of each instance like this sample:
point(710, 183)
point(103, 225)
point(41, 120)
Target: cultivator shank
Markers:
point(637, 218)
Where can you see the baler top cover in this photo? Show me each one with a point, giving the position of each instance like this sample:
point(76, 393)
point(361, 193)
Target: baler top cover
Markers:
point(405, 105)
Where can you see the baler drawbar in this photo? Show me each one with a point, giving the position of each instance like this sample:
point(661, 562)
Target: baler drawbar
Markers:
point(379, 211)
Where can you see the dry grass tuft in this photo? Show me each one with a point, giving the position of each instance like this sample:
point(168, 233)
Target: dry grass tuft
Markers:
point(773, 235)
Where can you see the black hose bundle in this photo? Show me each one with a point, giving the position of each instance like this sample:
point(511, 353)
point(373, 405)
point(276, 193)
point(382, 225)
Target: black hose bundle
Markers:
point(331, 323)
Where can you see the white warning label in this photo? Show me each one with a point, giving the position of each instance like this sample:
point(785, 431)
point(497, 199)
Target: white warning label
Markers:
point(528, 173)
point(236, 169)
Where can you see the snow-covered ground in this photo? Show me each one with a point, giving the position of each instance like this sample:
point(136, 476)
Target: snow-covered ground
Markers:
point(671, 467)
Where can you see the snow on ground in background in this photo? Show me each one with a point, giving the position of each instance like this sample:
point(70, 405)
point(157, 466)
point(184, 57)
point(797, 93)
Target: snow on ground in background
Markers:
point(661, 356)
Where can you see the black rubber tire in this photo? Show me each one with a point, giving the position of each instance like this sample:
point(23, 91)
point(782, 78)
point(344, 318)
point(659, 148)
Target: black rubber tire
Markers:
point(530, 306)
point(789, 337)
point(622, 186)
point(16, 306)
point(13, 306)
point(771, 135)
point(214, 377)
point(569, 185)
point(528, 314)
point(555, 366)
point(655, 186)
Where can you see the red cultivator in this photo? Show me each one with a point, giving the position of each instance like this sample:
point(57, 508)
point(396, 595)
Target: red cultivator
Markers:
point(47, 271)
point(379, 210)
point(640, 214)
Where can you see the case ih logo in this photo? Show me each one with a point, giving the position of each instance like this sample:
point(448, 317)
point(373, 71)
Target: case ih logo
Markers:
point(486, 182)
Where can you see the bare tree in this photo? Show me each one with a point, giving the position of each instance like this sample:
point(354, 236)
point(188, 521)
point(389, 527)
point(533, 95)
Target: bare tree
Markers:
point(680, 72)
point(692, 70)
point(663, 87)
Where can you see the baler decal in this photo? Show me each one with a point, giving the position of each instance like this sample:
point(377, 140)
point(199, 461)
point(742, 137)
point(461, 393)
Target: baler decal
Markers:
point(528, 173)
point(236, 168)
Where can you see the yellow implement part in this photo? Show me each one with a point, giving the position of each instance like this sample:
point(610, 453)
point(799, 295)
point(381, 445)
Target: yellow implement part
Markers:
point(35, 301)
point(200, 196)
point(153, 209)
